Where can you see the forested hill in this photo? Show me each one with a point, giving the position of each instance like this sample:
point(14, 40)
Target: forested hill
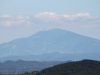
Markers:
point(84, 67)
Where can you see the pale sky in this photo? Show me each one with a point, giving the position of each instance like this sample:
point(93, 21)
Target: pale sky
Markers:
point(23, 18)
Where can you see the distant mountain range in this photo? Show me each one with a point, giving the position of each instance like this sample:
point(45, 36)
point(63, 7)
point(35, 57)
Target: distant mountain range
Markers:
point(54, 44)
point(20, 66)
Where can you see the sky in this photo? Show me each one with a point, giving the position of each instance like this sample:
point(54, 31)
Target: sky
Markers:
point(23, 18)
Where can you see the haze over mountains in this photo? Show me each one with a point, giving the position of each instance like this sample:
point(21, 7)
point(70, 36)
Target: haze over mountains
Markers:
point(20, 66)
point(55, 44)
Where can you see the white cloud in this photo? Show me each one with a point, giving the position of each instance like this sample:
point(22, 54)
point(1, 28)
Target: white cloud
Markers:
point(84, 15)
point(6, 17)
point(46, 15)
point(49, 18)
point(6, 23)
point(11, 23)
point(7, 20)
point(64, 18)
point(22, 17)
point(76, 16)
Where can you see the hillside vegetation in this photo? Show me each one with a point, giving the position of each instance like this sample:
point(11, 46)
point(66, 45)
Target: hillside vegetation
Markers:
point(84, 67)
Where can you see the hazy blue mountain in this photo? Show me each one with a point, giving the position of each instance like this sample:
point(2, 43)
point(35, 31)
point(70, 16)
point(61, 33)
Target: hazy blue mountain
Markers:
point(55, 57)
point(44, 43)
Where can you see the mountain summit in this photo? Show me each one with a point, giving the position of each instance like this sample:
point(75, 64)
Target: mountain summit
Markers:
point(50, 41)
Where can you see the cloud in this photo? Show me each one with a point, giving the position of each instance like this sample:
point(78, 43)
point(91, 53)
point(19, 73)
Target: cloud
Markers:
point(53, 16)
point(22, 17)
point(49, 18)
point(77, 16)
point(8, 20)
point(6, 17)
point(64, 18)
point(11, 23)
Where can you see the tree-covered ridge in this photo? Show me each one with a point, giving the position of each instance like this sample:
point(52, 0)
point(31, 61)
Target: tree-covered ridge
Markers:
point(84, 67)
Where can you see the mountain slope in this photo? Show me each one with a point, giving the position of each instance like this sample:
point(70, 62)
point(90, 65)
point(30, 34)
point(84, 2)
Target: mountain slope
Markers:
point(50, 41)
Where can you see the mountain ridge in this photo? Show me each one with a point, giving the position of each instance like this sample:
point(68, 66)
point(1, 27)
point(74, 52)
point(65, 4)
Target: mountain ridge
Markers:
point(50, 41)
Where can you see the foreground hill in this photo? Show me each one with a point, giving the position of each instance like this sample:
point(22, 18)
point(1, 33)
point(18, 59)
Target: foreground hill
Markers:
point(84, 67)
point(49, 42)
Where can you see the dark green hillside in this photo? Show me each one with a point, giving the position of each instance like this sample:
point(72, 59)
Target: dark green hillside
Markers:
point(84, 67)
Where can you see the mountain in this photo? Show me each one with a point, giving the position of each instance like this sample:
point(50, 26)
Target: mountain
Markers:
point(54, 57)
point(54, 42)
point(84, 67)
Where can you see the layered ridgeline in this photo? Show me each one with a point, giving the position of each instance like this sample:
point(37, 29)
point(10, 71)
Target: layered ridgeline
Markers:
point(20, 66)
point(55, 44)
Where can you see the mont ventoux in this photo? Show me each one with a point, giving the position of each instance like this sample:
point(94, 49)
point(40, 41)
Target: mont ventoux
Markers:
point(55, 44)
